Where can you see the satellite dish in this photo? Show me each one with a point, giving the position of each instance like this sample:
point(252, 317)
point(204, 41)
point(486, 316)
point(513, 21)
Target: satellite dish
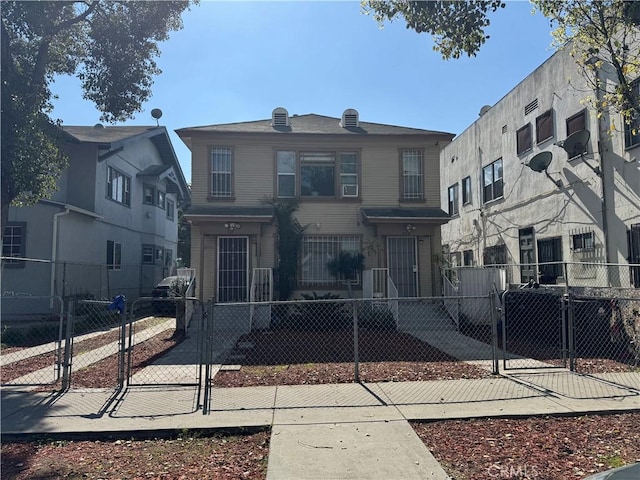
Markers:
point(576, 143)
point(156, 113)
point(540, 162)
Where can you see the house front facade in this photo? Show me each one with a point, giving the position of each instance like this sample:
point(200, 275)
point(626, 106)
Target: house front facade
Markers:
point(110, 228)
point(360, 187)
point(543, 182)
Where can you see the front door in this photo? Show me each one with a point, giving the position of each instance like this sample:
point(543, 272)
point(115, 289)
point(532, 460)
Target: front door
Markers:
point(402, 261)
point(233, 269)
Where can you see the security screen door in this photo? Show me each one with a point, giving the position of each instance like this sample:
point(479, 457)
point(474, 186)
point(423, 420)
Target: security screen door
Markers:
point(402, 261)
point(233, 269)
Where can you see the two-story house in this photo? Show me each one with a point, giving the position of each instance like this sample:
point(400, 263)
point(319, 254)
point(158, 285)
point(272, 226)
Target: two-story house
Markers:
point(112, 225)
point(544, 183)
point(361, 187)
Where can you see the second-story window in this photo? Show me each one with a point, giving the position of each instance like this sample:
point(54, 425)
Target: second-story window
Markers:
point(453, 199)
point(348, 174)
point(149, 196)
point(523, 139)
point(170, 210)
point(492, 181)
point(544, 126)
point(221, 172)
point(286, 165)
point(317, 174)
point(576, 123)
point(466, 190)
point(161, 199)
point(118, 186)
point(412, 175)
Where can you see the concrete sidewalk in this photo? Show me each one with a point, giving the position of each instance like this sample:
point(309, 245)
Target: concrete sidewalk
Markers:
point(346, 431)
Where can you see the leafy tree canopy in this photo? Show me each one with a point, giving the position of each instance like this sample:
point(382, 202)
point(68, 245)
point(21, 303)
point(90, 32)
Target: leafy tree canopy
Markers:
point(110, 45)
point(603, 34)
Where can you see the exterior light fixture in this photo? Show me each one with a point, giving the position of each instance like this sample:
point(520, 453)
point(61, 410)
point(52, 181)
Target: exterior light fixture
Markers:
point(232, 226)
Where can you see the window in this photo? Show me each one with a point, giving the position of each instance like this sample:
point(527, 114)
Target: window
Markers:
point(544, 126)
point(160, 199)
point(583, 241)
point(523, 139)
point(466, 190)
point(349, 174)
point(496, 255)
point(632, 129)
point(147, 254)
point(550, 250)
point(170, 210)
point(492, 181)
point(286, 165)
point(576, 123)
point(168, 257)
point(412, 174)
point(221, 172)
point(114, 255)
point(13, 245)
point(453, 199)
point(317, 174)
point(149, 195)
point(467, 258)
point(316, 252)
point(159, 254)
point(118, 186)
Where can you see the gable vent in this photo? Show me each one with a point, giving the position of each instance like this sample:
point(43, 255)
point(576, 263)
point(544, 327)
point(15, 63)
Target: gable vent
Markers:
point(531, 107)
point(280, 117)
point(349, 118)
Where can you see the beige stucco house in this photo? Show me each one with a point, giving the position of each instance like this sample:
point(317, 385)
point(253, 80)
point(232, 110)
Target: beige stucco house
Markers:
point(361, 187)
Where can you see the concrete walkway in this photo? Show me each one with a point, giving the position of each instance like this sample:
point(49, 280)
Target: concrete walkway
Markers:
point(337, 431)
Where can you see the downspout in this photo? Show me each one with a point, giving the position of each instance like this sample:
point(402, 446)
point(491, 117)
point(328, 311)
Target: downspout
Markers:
point(54, 250)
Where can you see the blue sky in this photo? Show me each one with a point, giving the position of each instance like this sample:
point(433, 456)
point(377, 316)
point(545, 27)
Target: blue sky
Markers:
point(237, 61)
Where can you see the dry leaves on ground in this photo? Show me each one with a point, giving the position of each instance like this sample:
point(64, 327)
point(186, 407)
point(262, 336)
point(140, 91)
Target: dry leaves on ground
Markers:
point(549, 448)
point(219, 457)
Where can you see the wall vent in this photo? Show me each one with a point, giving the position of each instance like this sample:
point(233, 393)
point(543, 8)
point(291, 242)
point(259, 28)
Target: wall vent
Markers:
point(350, 119)
point(531, 107)
point(280, 117)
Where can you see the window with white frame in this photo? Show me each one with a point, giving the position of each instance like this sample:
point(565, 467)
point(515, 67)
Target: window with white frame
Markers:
point(453, 199)
point(13, 244)
point(286, 167)
point(170, 209)
point(149, 195)
point(492, 181)
point(221, 172)
point(349, 174)
point(147, 254)
point(317, 174)
point(161, 199)
point(118, 186)
point(466, 190)
point(412, 175)
point(317, 251)
point(114, 255)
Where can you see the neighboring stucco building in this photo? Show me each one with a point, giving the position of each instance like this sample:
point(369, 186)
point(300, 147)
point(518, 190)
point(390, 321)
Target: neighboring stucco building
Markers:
point(112, 226)
point(362, 187)
point(507, 209)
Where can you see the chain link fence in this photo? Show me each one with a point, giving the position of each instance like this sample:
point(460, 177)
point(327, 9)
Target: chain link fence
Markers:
point(326, 339)
point(32, 339)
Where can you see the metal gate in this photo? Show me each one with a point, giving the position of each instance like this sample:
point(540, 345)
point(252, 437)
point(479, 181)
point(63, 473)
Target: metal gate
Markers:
point(403, 265)
point(533, 330)
point(165, 348)
point(33, 334)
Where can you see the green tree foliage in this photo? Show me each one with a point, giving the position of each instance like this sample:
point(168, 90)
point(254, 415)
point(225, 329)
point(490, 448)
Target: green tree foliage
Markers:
point(456, 27)
point(603, 35)
point(184, 239)
point(109, 45)
point(604, 39)
point(290, 234)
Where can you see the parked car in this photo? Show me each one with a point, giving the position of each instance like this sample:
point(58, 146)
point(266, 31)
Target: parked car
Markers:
point(161, 294)
point(628, 472)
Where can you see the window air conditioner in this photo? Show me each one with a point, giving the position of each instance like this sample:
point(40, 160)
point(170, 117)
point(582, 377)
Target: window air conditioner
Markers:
point(349, 190)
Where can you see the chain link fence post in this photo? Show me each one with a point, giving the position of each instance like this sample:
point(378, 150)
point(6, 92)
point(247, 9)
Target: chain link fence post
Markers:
point(356, 356)
point(122, 347)
point(68, 345)
point(494, 332)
